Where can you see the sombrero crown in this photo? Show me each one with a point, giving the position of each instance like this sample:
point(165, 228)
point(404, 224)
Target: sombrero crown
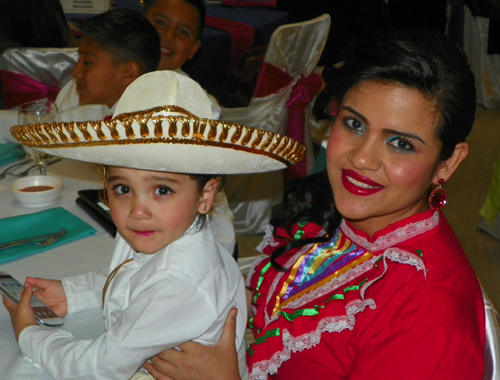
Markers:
point(163, 122)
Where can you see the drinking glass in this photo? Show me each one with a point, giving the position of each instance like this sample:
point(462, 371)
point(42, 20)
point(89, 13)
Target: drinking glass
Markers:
point(34, 113)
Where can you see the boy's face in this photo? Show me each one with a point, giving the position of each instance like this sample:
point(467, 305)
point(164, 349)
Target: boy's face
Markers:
point(98, 79)
point(177, 23)
point(153, 209)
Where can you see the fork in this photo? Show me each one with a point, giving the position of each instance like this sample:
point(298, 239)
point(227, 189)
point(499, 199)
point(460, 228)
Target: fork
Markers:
point(43, 240)
point(25, 172)
point(12, 167)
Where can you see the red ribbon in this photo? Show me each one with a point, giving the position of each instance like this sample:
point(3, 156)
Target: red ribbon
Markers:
point(241, 35)
point(271, 80)
point(19, 88)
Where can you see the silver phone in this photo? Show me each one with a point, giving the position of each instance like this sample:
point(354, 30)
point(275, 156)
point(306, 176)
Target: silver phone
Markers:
point(13, 289)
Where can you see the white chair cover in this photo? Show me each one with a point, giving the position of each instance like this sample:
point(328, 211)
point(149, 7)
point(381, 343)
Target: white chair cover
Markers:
point(295, 49)
point(492, 344)
point(486, 67)
point(46, 65)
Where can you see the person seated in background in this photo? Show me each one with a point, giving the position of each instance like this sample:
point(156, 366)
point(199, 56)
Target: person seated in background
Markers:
point(179, 24)
point(116, 48)
point(34, 23)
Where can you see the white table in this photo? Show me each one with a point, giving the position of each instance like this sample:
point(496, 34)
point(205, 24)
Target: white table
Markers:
point(81, 256)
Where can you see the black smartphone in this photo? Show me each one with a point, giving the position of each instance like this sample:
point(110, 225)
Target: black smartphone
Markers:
point(13, 289)
point(92, 201)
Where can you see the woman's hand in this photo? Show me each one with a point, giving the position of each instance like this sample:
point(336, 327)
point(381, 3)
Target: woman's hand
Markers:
point(198, 362)
point(51, 293)
point(21, 315)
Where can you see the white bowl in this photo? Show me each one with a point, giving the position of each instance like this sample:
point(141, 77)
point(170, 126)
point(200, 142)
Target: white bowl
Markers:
point(36, 190)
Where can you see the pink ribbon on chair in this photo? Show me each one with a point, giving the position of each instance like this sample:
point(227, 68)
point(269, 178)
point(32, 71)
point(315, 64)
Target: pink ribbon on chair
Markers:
point(272, 79)
point(241, 35)
point(19, 88)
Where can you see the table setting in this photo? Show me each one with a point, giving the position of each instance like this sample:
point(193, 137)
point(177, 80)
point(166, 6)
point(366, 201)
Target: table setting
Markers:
point(82, 245)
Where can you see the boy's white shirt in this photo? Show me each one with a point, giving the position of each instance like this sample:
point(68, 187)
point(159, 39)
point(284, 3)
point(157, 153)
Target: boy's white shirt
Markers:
point(183, 292)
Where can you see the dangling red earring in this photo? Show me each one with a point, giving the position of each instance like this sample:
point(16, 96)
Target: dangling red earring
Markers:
point(438, 197)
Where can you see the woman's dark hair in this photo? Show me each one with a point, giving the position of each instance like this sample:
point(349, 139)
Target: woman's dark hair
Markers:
point(423, 60)
point(199, 5)
point(126, 35)
point(305, 200)
point(34, 23)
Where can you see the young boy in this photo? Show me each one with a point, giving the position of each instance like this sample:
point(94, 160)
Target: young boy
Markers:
point(179, 24)
point(169, 281)
point(116, 47)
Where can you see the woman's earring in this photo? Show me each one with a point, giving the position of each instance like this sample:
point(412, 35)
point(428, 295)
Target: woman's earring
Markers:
point(438, 197)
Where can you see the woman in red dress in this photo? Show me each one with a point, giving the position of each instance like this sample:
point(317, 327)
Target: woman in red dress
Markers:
point(387, 292)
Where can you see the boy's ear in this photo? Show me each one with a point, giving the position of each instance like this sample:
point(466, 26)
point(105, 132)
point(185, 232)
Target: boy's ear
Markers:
point(130, 71)
point(207, 196)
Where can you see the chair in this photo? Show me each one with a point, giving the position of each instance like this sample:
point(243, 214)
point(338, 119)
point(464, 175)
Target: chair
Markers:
point(284, 90)
point(492, 344)
point(29, 74)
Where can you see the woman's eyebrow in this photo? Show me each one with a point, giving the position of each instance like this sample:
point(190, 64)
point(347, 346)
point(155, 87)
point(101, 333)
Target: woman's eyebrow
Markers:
point(352, 110)
point(405, 134)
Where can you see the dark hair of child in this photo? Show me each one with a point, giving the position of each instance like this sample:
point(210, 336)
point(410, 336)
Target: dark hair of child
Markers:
point(309, 199)
point(126, 35)
point(199, 5)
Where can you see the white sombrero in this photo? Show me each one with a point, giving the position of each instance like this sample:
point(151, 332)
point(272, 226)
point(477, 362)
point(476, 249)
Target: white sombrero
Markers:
point(163, 122)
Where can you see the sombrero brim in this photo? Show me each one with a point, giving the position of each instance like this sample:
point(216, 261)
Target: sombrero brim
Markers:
point(179, 142)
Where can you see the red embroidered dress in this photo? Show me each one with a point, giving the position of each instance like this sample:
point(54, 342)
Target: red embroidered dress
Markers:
point(404, 304)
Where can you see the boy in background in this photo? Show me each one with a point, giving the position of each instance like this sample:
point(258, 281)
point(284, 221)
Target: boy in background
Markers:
point(116, 48)
point(179, 24)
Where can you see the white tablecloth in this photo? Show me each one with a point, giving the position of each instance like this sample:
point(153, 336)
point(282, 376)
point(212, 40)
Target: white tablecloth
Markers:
point(81, 256)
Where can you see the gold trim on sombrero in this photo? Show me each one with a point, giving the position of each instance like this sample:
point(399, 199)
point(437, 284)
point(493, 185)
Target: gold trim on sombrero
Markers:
point(150, 126)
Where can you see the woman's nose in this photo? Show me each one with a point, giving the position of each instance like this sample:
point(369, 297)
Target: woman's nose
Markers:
point(365, 155)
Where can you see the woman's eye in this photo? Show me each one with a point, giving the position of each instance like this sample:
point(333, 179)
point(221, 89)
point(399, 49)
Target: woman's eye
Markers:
point(163, 190)
point(121, 189)
point(401, 144)
point(354, 125)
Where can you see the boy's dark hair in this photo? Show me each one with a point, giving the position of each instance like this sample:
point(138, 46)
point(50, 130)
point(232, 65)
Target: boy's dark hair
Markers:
point(126, 35)
point(199, 5)
point(306, 200)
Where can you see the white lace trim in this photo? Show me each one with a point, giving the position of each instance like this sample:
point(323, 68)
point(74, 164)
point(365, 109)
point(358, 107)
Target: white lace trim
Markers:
point(394, 237)
point(264, 368)
point(261, 370)
point(268, 239)
point(404, 257)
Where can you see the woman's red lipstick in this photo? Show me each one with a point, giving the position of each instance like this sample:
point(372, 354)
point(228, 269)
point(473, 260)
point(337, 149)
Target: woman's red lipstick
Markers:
point(358, 184)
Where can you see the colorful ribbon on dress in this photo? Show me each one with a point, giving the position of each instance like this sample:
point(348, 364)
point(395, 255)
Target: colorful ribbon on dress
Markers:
point(19, 88)
point(241, 35)
point(271, 80)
